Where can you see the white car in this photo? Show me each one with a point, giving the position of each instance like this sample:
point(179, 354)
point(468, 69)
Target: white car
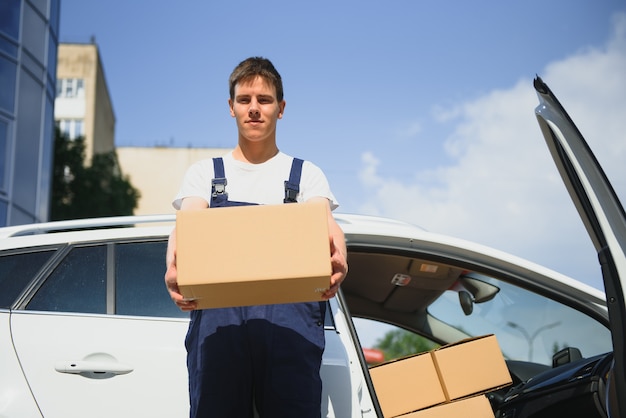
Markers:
point(87, 328)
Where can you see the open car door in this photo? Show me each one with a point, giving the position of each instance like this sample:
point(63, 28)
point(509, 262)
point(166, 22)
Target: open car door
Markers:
point(604, 219)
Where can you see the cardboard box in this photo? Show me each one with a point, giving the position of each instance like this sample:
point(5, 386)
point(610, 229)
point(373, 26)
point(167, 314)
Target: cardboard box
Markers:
point(471, 366)
point(474, 407)
point(407, 384)
point(459, 370)
point(253, 255)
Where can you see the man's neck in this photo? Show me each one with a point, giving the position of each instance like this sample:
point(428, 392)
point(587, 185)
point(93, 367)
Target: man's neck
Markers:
point(254, 153)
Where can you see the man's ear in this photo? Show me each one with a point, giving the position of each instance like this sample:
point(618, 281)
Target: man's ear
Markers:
point(230, 106)
point(281, 107)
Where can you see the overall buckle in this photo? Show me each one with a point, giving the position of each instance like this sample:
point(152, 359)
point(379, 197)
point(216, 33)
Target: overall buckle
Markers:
point(218, 187)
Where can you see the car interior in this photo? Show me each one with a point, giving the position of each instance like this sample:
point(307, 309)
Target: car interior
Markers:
point(400, 289)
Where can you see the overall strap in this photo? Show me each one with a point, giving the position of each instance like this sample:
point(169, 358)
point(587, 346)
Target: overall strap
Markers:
point(292, 186)
point(218, 184)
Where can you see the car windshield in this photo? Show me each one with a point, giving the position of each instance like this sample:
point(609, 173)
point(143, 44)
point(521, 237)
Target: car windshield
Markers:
point(528, 326)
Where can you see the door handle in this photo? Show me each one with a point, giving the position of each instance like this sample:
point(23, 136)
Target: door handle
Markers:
point(103, 366)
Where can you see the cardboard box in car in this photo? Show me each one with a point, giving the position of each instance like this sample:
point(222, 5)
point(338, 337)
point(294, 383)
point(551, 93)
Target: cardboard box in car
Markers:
point(474, 407)
point(253, 255)
point(459, 370)
point(407, 384)
point(471, 366)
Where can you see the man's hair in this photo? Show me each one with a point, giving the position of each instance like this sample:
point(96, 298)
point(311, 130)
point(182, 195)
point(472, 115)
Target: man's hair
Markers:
point(253, 67)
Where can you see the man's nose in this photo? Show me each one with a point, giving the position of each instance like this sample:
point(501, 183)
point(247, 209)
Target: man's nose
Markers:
point(253, 112)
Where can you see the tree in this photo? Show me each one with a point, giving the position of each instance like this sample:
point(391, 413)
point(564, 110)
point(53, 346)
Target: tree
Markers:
point(401, 343)
point(80, 191)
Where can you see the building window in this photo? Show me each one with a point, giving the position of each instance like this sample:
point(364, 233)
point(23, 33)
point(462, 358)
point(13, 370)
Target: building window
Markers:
point(73, 128)
point(70, 87)
point(8, 75)
point(4, 151)
point(10, 12)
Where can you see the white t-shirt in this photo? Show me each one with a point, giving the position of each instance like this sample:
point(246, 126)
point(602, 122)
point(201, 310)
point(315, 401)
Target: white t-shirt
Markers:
point(255, 183)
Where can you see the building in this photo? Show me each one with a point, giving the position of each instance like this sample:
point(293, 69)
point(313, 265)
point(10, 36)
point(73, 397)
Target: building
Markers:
point(83, 105)
point(28, 53)
point(158, 173)
point(42, 83)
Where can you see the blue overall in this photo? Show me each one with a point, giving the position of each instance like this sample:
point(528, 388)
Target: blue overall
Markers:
point(266, 357)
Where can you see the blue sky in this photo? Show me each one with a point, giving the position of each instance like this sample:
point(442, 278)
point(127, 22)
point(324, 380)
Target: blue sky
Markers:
point(421, 111)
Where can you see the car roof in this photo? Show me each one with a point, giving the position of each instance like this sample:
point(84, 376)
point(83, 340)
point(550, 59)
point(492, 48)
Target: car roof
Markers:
point(85, 230)
point(364, 230)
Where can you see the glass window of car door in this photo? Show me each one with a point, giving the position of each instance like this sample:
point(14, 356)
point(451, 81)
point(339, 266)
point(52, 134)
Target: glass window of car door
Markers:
point(113, 278)
point(77, 284)
point(529, 326)
point(17, 270)
point(139, 286)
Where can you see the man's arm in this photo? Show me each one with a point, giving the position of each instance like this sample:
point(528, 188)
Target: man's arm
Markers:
point(338, 253)
point(171, 281)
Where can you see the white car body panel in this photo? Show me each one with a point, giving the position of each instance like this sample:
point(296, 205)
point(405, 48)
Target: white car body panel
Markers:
point(152, 347)
point(340, 371)
point(15, 397)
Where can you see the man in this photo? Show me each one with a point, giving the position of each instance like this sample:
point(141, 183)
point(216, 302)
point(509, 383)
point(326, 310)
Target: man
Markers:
point(260, 357)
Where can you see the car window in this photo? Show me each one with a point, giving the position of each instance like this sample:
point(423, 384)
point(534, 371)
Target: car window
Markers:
point(77, 284)
point(139, 286)
point(17, 271)
point(528, 326)
point(389, 341)
point(110, 278)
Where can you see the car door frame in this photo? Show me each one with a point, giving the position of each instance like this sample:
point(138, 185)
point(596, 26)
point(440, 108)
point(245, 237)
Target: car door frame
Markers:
point(602, 214)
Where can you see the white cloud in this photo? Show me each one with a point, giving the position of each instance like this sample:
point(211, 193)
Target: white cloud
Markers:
point(502, 188)
point(410, 131)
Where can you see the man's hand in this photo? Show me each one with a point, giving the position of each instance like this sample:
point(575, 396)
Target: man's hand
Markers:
point(338, 252)
point(339, 269)
point(171, 275)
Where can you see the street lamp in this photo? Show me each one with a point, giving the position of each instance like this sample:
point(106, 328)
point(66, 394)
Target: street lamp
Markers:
point(531, 338)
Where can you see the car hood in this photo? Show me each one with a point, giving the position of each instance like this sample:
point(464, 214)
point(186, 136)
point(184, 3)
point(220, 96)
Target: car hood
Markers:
point(600, 210)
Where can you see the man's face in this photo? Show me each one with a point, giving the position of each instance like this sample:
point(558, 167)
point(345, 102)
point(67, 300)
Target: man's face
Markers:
point(256, 110)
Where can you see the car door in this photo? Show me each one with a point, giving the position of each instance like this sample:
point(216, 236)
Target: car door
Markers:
point(603, 216)
point(98, 335)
